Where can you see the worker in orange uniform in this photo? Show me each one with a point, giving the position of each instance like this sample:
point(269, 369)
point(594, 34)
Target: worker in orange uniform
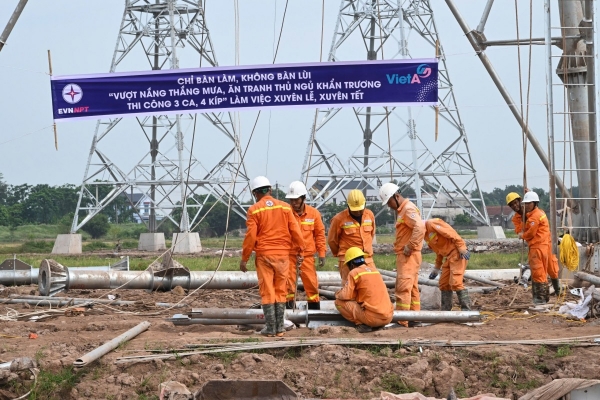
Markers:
point(409, 242)
point(313, 233)
point(353, 227)
point(446, 243)
point(515, 203)
point(536, 232)
point(364, 299)
point(272, 233)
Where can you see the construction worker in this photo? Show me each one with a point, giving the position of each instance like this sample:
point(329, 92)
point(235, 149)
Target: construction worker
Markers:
point(364, 299)
point(536, 232)
point(313, 233)
point(446, 243)
point(353, 227)
point(272, 233)
point(516, 204)
point(513, 200)
point(409, 242)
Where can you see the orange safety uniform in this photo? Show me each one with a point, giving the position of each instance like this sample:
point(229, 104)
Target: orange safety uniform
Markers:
point(346, 232)
point(517, 221)
point(444, 241)
point(313, 233)
point(409, 231)
point(536, 232)
point(364, 298)
point(272, 232)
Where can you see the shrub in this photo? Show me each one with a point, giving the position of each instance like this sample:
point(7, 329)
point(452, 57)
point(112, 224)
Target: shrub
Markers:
point(97, 226)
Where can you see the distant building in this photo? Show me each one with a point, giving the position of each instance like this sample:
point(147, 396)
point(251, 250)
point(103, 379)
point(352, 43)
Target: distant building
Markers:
point(500, 216)
point(142, 204)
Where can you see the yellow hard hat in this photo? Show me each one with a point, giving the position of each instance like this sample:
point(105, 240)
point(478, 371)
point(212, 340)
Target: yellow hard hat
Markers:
point(356, 200)
point(511, 196)
point(352, 253)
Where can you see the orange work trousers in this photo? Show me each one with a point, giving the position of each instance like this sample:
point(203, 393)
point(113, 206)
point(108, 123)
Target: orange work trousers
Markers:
point(552, 267)
point(272, 272)
point(344, 270)
point(538, 262)
point(353, 312)
point(453, 271)
point(407, 283)
point(308, 274)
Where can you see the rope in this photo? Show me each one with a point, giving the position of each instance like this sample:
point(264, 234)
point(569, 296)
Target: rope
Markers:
point(569, 253)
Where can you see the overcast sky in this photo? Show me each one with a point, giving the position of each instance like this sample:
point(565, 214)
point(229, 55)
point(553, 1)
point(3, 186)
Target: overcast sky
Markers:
point(82, 36)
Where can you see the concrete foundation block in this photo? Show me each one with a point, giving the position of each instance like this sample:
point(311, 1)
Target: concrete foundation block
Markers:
point(490, 232)
point(152, 242)
point(67, 244)
point(186, 243)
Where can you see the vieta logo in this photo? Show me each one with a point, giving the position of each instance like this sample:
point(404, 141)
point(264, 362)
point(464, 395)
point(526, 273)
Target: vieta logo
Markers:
point(423, 71)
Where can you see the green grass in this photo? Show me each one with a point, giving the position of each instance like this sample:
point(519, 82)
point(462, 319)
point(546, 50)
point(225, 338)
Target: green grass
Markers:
point(57, 385)
point(394, 384)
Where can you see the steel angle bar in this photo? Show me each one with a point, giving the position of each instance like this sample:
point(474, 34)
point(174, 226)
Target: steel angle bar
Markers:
point(111, 345)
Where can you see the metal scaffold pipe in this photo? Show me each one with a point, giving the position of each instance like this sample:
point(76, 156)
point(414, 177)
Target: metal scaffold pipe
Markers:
point(256, 316)
point(56, 278)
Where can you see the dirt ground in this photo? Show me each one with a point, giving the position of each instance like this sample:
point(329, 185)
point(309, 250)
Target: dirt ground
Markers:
point(327, 371)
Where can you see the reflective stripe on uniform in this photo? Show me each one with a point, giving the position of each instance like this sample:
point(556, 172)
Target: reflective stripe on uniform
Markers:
point(365, 273)
point(269, 208)
point(400, 305)
point(290, 296)
point(350, 226)
point(542, 217)
point(415, 302)
point(430, 236)
point(314, 296)
point(306, 223)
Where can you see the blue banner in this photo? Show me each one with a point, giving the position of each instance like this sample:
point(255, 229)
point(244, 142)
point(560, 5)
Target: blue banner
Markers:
point(340, 84)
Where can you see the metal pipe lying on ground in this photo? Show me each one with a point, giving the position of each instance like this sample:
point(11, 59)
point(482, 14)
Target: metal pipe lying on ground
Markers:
point(422, 281)
point(327, 293)
point(64, 301)
point(56, 278)
point(482, 280)
point(111, 345)
point(14, 272)
point(302, 316)
point(588, 277)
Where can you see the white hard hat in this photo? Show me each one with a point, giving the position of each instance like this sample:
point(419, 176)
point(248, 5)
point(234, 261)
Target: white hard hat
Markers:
point(530, 197)
point(297, 189)
point(387, 191)
point(258, 182)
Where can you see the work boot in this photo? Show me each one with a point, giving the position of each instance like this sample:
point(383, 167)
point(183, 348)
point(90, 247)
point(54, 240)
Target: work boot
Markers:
point(545, 293)
point(464, 300)
point(290, 304)
point(279, 317)
point(269, 311)
point(537, 293)
point(556, 285)
point(363, 328)
point(314, 305)
point(446, 300)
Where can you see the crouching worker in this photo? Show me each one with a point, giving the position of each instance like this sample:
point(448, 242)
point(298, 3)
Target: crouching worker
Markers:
point(451, 258)
point(364, 299)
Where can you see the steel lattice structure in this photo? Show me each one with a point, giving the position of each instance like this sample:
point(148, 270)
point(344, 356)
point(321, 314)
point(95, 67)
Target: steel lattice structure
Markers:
point(448, 172)
point(168, 174)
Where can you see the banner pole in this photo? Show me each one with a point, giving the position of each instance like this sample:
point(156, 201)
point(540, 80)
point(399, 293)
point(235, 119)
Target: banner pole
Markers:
point(54, 124)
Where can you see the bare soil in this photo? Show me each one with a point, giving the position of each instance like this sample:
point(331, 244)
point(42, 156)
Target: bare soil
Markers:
point(327, 371)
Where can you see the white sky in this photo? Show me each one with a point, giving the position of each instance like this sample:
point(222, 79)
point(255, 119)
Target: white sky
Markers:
point(82, 35)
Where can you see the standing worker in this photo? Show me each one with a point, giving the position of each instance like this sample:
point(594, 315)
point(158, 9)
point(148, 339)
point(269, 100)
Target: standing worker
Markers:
point(409, 242)
point(273, 233)
point(515, 203)
point(536, 232)
point(353, 227)
point(364, 299)
point(444, 241)
point(313, 233)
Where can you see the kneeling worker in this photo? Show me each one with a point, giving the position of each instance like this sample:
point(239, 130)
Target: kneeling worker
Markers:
point(446, 243)
point(364, 299)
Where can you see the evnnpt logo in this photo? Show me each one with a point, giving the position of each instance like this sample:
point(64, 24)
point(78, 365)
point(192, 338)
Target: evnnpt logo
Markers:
point(423, 71)
point(72, 93)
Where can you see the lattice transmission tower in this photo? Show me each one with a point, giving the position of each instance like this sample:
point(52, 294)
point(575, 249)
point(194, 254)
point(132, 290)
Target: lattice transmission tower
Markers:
point(393, 146)
point(168, 174)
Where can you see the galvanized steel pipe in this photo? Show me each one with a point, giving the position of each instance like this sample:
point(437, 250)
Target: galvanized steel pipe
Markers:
point(111, 345)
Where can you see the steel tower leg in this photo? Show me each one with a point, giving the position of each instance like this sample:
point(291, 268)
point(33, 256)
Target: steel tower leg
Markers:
point(442, 171)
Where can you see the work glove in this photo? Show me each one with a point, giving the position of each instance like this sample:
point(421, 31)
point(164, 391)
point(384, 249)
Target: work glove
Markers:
point(465, 255)
point(299, 259)
point(434, 274)
point(407, 250)
point(321, 262)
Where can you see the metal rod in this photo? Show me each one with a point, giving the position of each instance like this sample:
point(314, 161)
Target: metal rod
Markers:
point(74, 299)
point(503, 91)
point(11, 22)
point(327, 293)
point(422, 281)
point(111, 345)
point(485, 15)
point(482, 280)
point(301, 316)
